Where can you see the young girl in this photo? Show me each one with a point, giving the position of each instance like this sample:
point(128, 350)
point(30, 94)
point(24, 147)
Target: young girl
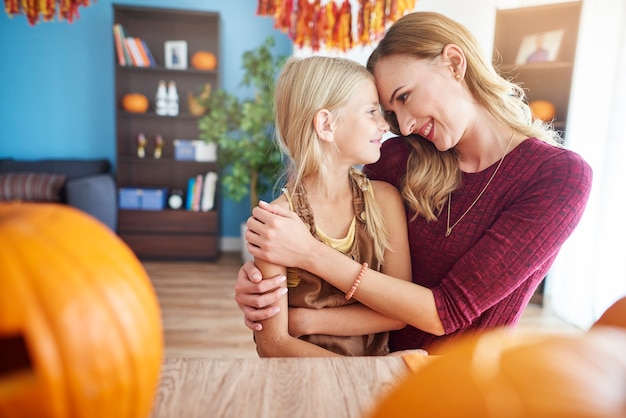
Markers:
point(327, 121)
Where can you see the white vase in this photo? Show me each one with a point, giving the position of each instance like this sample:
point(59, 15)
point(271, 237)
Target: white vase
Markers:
point(245, 254)
point(160, 99)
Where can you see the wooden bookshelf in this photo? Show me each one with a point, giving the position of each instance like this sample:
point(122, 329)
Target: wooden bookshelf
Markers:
point(164, 234)
point(516, 29)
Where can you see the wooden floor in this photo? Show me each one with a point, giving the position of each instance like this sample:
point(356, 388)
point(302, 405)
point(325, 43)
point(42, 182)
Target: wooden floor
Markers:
point(201, 318)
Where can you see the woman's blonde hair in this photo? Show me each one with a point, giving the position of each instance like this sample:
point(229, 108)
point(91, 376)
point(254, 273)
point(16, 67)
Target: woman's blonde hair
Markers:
point(432, 174)
point(305, 86)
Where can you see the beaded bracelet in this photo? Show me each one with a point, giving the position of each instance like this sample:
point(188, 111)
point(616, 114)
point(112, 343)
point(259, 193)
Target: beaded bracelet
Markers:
point(357, 282)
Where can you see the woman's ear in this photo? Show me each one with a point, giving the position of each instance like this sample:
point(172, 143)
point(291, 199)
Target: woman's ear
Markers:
point(454, 56)
point(323, 125)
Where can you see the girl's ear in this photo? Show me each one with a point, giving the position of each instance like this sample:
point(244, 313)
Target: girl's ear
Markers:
point(454, 56)
point(323, 125)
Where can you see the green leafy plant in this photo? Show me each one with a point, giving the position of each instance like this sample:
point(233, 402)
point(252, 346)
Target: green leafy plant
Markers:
point(243, 130)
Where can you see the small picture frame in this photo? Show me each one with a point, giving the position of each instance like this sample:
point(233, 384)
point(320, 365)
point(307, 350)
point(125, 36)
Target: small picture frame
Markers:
point(176, 55)
point(539, 47)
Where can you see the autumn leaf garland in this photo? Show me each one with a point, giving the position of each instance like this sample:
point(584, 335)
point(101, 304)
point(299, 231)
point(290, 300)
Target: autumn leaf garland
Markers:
point(46, 9)
point(329, 23)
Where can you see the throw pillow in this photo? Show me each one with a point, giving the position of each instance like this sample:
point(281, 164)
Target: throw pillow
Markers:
point(36, 187)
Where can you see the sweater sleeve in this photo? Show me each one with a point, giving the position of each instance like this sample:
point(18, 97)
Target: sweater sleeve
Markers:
point(539, 212)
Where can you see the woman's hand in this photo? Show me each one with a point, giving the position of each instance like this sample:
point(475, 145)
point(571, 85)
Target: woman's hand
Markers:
point(278, 235)
point(257, 297)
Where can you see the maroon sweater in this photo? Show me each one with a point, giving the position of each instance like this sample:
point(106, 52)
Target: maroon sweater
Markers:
point(484, 274)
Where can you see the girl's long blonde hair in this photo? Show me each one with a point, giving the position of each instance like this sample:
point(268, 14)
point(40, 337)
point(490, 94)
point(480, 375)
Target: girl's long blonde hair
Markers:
point(432, 174)
point(305, 86)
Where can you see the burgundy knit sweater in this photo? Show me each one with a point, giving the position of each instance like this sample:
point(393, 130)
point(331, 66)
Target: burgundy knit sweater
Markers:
point(484, 274)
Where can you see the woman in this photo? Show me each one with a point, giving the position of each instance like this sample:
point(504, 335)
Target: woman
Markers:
point(489, 194)
point(327, 121)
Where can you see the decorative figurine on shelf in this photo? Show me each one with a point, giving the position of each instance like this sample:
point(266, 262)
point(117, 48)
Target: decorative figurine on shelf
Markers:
point(172, 99)
point(141, 145)
point(158, 148)
point(161, 105)
point(196, 104)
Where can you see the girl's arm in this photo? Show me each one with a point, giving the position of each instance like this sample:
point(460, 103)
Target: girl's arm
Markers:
point(350, 320)
point(274, 340)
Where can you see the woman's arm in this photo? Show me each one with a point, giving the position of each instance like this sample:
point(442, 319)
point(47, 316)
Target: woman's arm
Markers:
point(274, 340)
point(279, 236)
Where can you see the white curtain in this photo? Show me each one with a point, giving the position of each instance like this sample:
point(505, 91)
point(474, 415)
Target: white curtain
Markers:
point(590, 273)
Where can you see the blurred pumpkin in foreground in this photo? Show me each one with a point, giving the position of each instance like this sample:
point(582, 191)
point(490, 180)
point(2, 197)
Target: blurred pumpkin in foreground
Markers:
point(497, 375)
point(613, 316)
point(80, 326)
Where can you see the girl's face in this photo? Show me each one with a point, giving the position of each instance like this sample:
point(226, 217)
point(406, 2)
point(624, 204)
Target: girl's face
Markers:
point(360, 126)
point(426, 98)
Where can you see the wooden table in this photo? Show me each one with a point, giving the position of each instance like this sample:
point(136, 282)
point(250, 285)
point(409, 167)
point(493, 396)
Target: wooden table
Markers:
point(277, 387)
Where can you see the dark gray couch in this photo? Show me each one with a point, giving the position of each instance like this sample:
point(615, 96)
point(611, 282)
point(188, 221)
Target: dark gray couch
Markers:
point(90, 185)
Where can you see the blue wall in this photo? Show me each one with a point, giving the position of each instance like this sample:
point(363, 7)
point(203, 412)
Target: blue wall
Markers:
point(57, 80)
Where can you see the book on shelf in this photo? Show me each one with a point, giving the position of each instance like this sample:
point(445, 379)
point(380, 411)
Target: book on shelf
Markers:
point(190, 186)
point(197, 193)
point(208, 191)
point(131, 51)
point(148, 53)
point(119, 46)
point(124, 57)
point(134, 52)
point(201, 192)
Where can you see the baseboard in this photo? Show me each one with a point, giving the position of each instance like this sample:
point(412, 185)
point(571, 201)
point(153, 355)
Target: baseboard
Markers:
point(228, 244)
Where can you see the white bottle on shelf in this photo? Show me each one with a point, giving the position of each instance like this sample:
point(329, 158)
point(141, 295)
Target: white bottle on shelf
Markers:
point(160, 101)
point(172, 99)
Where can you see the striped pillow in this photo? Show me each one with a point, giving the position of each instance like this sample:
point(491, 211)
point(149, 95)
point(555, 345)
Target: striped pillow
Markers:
point(36, 187)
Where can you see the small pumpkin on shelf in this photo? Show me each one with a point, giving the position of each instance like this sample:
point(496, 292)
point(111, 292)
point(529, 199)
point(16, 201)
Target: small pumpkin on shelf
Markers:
point(542, 109)
point(80, 325)
point(135, 103)
point(204, 60)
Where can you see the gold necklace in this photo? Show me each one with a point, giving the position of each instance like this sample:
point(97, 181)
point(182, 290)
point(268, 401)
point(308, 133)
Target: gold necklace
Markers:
point(450, 228)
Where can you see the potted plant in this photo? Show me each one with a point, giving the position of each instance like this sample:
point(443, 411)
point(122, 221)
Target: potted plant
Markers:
point(243, 130)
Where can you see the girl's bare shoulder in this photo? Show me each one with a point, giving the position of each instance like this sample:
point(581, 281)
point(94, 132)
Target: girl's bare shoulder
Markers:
point(282, 201)
point(382, 189)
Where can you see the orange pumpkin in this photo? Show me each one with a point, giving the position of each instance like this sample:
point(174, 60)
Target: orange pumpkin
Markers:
point(135, 103)
point(542, 109)
point(80, 326)
point(614, 316)
point(203, 60)
point(532, 376)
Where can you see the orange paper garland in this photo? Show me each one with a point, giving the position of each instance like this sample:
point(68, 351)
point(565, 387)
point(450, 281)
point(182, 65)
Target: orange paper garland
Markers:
point(329, 23)
point(46, 9)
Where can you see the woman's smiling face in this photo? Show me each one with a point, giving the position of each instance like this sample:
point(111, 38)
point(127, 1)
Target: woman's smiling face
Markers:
point(425, 96)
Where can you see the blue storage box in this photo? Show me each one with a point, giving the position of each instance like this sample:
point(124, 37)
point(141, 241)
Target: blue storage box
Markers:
point(184, 150)
point(153, 199)
point(129, 198)
point(142, 198)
